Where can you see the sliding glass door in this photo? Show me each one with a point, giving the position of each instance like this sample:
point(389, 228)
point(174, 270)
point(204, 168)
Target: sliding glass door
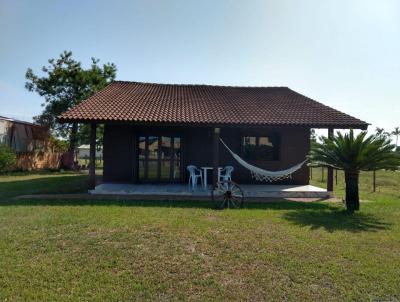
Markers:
point(159, 159)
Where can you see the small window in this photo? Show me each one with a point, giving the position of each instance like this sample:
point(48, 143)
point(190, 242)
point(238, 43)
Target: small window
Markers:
point(261, 147)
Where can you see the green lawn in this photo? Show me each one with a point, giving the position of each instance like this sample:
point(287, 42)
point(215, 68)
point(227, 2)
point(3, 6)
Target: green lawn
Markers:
point(131, 250)
point(387, 184)
point(36, 183)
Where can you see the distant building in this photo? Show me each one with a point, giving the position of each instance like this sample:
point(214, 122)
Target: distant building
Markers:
point(83, 152)
point(31, 144)
point(22, 136)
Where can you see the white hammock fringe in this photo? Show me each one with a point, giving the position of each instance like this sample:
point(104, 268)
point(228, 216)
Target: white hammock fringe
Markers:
point(261, 174)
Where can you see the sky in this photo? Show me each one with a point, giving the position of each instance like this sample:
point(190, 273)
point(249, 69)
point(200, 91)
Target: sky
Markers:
point(343, 53)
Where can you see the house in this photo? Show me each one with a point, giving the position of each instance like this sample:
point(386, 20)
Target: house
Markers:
point(153, 131)
point(83, 152)
point(31, 144)
point(22, 136)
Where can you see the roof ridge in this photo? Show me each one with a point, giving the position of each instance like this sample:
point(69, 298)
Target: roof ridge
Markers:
point(194, 85)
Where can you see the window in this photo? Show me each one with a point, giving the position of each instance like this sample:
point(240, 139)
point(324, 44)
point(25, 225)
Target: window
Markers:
point(261, 147)
point(159, 158)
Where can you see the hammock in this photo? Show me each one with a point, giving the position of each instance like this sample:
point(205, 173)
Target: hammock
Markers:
point(264, 175)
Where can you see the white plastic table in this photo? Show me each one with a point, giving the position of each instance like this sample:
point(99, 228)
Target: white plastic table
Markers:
point(205, 169)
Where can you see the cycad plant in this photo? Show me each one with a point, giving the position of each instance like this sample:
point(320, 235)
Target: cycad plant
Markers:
point(352, 154)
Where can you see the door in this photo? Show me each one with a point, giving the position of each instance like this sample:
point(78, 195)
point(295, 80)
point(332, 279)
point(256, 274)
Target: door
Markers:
point(159, 159)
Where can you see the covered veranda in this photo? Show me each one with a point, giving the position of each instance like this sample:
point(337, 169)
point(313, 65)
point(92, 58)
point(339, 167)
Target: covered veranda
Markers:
point(184, 190)
point(163, 190)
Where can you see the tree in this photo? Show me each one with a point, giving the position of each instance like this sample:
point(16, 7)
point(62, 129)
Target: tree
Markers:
point(382, 133)
point(57, 144)
point(65, 84)
point(379, 131)
point(313, 135)
point(396, 133)
point(354, 153)
point(84, 134)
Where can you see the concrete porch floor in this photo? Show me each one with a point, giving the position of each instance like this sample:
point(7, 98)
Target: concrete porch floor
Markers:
point(181, 190)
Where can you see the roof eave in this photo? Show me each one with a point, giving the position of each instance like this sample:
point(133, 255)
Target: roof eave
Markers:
point(361, 126)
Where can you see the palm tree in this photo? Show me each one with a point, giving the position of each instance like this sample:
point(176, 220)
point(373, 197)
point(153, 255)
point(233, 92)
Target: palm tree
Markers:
point(354, 153)
point(396, 133)
point(379, 131)
point(313, 135)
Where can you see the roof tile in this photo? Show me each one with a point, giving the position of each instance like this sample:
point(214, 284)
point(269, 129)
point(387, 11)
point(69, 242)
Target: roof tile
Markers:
point(206, 104)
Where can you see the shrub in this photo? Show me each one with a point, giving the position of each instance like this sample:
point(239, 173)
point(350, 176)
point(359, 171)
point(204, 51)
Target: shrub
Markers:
point(7, 158)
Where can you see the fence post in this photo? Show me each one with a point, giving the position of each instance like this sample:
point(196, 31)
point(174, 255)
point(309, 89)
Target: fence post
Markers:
point(336, 177)
point(329, 177)
point(374, 181)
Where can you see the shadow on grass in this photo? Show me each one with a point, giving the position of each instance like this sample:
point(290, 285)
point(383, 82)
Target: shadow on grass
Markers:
point(167, 203)
point(316, 215)
point(334, 219)
point(60, 183)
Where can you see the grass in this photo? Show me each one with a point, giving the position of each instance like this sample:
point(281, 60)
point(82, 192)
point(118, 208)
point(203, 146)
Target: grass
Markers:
point(387, 184)
point(24, 183)
point(65, 250)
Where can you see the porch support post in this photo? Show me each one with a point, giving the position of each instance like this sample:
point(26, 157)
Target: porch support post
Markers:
point(329, 179)
point(92, 155)
point(216, 134)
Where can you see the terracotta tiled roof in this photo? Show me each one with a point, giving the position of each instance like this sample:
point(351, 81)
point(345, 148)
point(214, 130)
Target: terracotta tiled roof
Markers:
point(205, 104)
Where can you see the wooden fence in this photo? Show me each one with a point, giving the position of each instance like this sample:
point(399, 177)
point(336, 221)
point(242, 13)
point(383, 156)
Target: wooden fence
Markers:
point(38, 160)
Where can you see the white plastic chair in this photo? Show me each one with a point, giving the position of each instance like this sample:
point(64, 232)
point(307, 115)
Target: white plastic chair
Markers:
point(225, 174)
point(195, 174)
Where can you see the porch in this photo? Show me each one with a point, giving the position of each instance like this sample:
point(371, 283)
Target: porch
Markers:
point(183, 190)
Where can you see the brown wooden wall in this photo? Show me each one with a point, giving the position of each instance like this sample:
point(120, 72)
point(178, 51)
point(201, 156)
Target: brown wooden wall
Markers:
point(120, 150)
point(118, 153)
